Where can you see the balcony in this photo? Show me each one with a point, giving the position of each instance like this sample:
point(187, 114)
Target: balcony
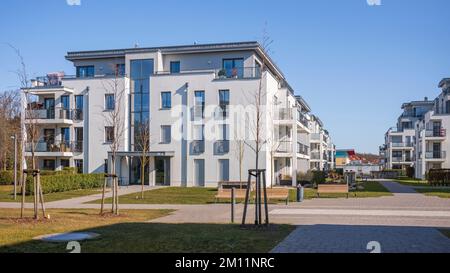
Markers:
point(54, 115)
point(284, 147)
point(197, 147)
point(238, 73)
point(221, 147)
point(55, 148)
point(283, 114)
point(198, 112)
point(315, 155)
point(439, 132)
point(401, 159)
point(401, 145)
point(315, 137)
point(441, 155)
point(302, 149)
point(303, 120)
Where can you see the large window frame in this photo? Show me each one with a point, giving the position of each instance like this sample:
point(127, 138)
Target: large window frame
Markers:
point(85, 71)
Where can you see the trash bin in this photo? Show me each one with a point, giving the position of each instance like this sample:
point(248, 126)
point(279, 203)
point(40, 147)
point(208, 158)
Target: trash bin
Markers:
point(300, 193)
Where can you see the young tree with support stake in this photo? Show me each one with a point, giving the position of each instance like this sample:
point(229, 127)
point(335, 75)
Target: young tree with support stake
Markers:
point(30, 133)
point(143, 146)
point(114, 118)
point(257, 100)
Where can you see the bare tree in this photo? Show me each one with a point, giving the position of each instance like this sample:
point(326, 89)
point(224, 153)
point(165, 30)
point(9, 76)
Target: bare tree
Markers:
point(258, 99)
point(115, 120)
point(143, 138)
point(10, 120)
point(30, 133)
point(239, 150)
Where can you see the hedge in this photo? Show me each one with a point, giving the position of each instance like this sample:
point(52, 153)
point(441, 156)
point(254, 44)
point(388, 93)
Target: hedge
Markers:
point(319, 177)
point(438, 177)
point(68, 182)
point(6, 177)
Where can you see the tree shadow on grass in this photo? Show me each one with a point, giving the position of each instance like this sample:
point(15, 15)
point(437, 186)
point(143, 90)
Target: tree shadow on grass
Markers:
point(167, 238)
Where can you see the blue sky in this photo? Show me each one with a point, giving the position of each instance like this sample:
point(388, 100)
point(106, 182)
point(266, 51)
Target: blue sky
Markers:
point(355, 64)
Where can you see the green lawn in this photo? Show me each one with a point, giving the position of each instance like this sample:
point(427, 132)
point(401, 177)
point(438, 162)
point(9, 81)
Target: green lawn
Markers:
point(371, 189)
point(446, 232)
point(131, 232)
point(412, 182)
point(6, 195)
point(439, 192)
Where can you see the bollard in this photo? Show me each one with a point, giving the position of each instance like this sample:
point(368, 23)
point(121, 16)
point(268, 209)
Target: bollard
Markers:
point(300, 193)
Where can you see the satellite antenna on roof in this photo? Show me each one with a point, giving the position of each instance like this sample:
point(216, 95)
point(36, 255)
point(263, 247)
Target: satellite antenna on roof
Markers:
point(195, 42)
point(136, 45)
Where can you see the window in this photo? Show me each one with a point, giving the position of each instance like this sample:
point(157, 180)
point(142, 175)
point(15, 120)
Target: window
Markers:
point(223, 132)
point(175, 67)
point(79, 165)
point(65, 163)
point(49, 164)
point(65, 104)
point(109, 102)
point(85, 71)
point(120, 69)
point(109, 134)
point(65, 136)
point(166, 134)
point(234, 68)
point(397, 154)
point(166, 100)
point(224, 170)
point(199, 102)
point(224, 101)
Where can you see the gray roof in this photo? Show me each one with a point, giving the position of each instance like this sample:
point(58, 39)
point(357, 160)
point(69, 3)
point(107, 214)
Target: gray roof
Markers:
point(217, 47)
point(303, 102)
point(444, 81)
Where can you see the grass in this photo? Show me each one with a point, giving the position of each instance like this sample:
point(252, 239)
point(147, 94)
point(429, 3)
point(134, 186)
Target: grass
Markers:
point(371, 189)
point(412, 182)
point(446, 232)
point(202, 196)
point(439, 192)
point(130, 232)
point(6, 195)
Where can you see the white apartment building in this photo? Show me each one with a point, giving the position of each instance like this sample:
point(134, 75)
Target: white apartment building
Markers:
point(323, 151)
point(433, 140)
point(399, 147)
point(420, 139)
point(186, 94)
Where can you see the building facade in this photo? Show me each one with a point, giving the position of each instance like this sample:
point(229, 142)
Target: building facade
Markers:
point(191, 99)
point(420, 139)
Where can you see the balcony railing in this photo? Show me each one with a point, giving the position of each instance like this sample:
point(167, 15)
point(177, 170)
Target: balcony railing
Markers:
point(197, 147)
point(50, 80)
point(401, 145)
point(401, 159)
point(435, 155)
point(302, 119)
point(221, 147)
point(55, 147)
point(436, 132)
point(284, 147)
point(283, 114)
point(198, 112)
point(55, 113)
point(238, 73)
point(315, 136)
point(315, 155)
point(302, 149)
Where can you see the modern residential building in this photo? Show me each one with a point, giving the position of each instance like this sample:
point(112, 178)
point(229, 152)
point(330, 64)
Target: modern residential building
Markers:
point(322, 149)
point(187, 95)
point(433, 140)
point(398, 152)
point(420, 139)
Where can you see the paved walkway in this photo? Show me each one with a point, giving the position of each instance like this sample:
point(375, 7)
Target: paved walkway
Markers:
point(355, 239)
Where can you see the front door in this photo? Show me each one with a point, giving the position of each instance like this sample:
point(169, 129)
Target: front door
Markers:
point(49, 138)
point(162, 171)
point(199, 172)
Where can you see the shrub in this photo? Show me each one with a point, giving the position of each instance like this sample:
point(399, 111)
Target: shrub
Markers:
point(68, 182)
point(439, 176)
point(319, 177)
point(6, 177)
point(304, 178)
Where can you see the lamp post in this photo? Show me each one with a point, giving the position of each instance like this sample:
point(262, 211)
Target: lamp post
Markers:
point(14, 137)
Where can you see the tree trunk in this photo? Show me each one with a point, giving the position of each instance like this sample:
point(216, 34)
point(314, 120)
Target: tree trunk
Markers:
point(41, 196)
point(142, 177)
point(24, 189)
point(103, 196)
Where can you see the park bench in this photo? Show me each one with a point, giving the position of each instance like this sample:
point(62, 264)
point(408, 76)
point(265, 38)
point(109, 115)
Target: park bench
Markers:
point(330, 188)
point(278, 194)
point(226, 194)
